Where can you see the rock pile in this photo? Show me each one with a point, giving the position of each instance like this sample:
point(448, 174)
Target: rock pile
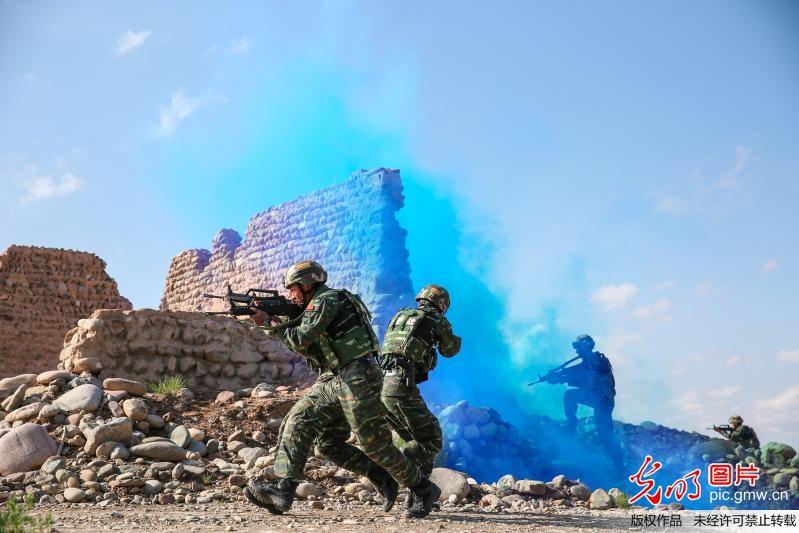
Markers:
point(210, 352)
point(778, 464)
point(43, 292)
point(472, 435)
point(350, 228)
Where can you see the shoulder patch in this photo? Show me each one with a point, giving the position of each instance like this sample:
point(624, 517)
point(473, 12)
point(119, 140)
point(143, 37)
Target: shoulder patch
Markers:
point(310, 307)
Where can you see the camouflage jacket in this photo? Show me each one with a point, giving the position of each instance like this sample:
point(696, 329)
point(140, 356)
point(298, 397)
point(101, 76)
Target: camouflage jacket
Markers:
point(745, 436)
point(594, 374)
point(333, 330)
point(417, 334)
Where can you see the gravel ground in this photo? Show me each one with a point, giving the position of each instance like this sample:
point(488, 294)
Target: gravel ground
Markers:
point(245, 517)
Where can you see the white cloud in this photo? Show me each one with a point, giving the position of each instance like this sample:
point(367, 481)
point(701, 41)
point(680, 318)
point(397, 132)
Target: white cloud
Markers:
point(788, 356)
point(42, 187)
point(182, 107)
point(724, 392)
point(708, 197)
point(657, 311)
point(703, 289)
point(239, 46)
point(769, 266)
point(664, 286)
point(614, 296)
point(130, 41)
point(735, 360)
point(784, 401)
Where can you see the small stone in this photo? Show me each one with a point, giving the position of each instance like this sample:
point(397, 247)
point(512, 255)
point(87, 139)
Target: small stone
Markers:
point(74, 495)
point(160, 451)
point(86, 364)
point(237, 435)
point(306, 490)
point(53, 464)
point(85, 397)
point(197, 434)
point(239, 480)
point(135, 388)
point(315, 504)
point(180, 436)
point(226, 396)
point(88, 475)
point(166, 499)
point(135, 408)
point(46, 378)
point(259, 436)
point(115, 409)
point(155, 421)
point(178, 471)
point(153, 487)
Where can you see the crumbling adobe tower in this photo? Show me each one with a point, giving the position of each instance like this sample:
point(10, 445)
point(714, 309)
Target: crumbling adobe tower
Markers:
point(43, 293)
point(350, 228)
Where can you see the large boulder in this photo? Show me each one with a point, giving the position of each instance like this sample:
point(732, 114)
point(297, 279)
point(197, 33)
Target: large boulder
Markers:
point(25, 448)
point(450, 482)
point(84, 397)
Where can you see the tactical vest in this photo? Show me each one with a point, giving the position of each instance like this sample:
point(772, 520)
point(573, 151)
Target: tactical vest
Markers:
point(412, 334)
point(348, 337)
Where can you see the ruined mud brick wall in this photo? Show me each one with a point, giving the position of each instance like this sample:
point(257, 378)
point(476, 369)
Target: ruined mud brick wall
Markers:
point(212, 352)
point(43, 293)
point(350, 228)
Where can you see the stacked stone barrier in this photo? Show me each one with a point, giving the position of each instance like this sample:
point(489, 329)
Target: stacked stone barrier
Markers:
point(350, 228)
point(211, 352)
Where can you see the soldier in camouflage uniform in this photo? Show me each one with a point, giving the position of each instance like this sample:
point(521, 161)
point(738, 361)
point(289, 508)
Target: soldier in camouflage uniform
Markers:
point(335, 337)
point(739, 433)
point(408, 354)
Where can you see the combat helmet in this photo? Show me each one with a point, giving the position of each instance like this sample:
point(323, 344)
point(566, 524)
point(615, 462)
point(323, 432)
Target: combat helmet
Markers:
point(435, 294)
point(736, 419)
point(304, 273)
point(584, 339)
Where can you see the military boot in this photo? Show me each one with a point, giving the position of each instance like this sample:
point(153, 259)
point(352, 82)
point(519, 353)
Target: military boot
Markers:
point(276, 496)
point(425, 494)
point(408, 503)
point(385, 485)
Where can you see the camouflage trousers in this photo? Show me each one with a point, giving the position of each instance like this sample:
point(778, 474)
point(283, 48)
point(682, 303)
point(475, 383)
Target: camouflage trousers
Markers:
point(603, 418)
point(412, 420)
point(336, 405)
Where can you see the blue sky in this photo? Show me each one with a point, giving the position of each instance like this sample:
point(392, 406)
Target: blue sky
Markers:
point(626, 169)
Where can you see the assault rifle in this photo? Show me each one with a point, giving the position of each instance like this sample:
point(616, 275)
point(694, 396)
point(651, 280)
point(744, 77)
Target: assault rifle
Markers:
point(268, 301)
point(720, 429)
point(554, 372)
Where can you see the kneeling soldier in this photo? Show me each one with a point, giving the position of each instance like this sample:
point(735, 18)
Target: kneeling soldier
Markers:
point(335, 336)
point(408, 354)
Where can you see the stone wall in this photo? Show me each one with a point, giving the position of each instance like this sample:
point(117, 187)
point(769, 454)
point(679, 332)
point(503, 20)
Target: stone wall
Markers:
point(43, 293)
point(350, 228)
point(211, 352)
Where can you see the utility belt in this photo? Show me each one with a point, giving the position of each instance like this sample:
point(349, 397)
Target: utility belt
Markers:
point(367, 359)
point(405, 368)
